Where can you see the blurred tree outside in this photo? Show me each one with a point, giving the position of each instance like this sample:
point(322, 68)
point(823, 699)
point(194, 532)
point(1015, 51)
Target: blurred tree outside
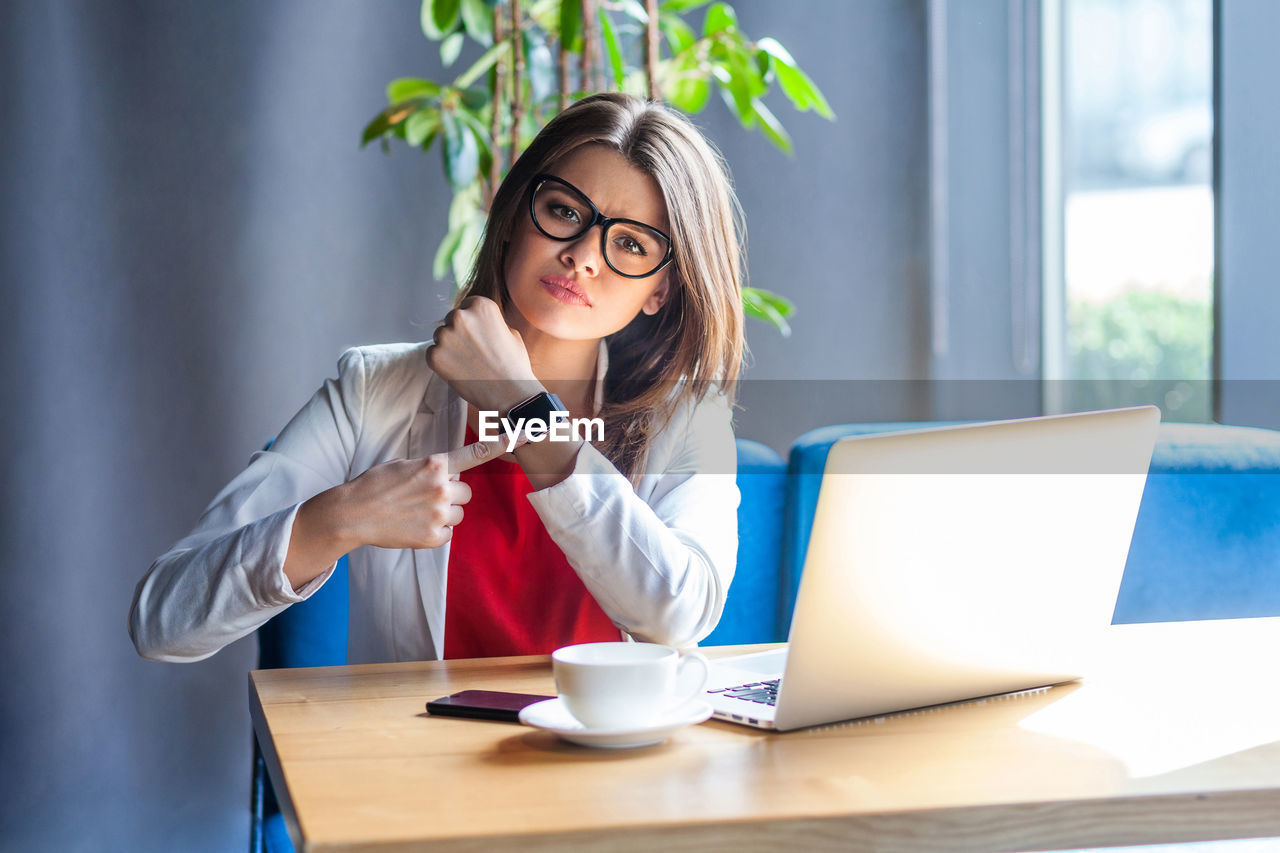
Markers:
point(1142, 346)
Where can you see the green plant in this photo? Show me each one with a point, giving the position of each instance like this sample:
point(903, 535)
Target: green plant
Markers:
point(542, 54)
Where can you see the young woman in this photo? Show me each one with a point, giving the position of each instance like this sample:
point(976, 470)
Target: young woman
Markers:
point(607, 286)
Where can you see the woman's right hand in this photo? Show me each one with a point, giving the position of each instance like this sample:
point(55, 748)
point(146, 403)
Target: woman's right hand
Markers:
point(405, 503)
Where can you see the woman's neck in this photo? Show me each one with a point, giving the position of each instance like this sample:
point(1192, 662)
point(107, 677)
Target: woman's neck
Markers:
point(566, 368)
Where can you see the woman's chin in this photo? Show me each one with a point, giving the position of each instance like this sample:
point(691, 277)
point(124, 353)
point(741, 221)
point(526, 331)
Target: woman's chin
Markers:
point(562, 331)
point(564, 322)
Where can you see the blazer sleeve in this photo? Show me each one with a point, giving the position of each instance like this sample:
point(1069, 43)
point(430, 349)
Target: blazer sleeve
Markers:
point(226, 577)
point(659, 567)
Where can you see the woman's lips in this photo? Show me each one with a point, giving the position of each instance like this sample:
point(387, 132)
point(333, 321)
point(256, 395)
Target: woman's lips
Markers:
point(566, 290)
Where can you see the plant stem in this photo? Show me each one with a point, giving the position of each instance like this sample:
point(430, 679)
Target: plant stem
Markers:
point(588, 44)
point(563, 62)
point(651, 49)
point(495, 119)
point(517, 79)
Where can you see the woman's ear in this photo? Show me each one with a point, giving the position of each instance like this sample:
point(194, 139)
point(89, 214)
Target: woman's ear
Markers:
point(658, 298)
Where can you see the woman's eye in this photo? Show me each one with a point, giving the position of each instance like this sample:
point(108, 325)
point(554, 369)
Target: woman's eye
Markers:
point(631, 246)
point(563, 211)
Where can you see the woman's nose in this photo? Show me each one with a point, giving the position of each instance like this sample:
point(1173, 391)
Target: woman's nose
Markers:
point(583, 253)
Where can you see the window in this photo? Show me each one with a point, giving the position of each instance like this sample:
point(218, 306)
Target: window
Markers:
point(1129, 209)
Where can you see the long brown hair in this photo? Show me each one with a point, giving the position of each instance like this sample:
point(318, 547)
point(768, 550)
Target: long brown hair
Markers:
point(695, 341)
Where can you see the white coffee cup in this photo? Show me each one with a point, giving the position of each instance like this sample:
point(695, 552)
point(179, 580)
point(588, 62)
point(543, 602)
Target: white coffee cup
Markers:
point(623, 685)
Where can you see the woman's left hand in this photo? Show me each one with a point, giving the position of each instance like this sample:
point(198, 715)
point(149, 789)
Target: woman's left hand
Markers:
point(481, 357)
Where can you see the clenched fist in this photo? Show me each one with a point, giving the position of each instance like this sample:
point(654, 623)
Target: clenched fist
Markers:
point(481, 357)
point(404, 503)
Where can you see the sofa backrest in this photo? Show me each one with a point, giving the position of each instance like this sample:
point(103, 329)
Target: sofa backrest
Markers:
point(1206, 544)
point(751, 613)
point(1207, 541)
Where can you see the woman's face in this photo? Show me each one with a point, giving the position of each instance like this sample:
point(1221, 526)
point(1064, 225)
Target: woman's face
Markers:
point(565, 290)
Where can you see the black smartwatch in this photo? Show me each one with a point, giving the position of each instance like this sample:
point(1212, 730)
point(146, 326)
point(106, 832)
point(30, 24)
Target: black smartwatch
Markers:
point(538, 407)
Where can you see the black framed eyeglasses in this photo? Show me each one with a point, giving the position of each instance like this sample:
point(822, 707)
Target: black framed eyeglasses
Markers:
point(563, 212)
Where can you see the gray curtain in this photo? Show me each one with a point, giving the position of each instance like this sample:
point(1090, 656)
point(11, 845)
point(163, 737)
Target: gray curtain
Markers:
point(191, 237)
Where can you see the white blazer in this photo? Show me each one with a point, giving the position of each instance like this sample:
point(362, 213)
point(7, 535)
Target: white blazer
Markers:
point(657, 558)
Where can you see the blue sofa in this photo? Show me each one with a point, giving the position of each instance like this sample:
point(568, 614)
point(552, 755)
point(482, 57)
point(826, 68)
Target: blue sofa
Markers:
point(1206, 544)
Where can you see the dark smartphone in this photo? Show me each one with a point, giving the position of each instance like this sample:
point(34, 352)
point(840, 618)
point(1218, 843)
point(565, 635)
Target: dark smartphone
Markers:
point(484, 705)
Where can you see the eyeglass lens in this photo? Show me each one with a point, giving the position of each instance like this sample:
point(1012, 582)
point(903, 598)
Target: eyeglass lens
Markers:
point(563, 214)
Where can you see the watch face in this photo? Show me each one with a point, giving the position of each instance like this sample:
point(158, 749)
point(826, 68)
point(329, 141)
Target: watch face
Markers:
point(539, 408)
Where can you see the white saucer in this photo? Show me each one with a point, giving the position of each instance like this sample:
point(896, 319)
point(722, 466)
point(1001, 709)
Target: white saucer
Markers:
point(552, 715)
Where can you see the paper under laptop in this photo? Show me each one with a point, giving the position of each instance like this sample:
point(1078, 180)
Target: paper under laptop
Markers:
point(951, 563)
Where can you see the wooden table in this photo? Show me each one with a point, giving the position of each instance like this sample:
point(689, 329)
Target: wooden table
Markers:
point(1177, 738)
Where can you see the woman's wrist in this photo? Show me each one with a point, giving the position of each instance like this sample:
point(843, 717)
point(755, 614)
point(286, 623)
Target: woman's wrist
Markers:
point(321, 534)
point(507, 398)
point(334, 522)
point(547, 463)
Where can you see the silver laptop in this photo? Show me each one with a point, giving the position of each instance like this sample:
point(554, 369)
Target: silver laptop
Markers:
point(951, 563)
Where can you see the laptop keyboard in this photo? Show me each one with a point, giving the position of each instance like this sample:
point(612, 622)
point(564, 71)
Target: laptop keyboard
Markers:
point(760, 692)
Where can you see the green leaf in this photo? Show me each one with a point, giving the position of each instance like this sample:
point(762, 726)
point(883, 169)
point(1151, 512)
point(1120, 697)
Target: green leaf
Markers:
point(463, 207)
point(545, 14)
point(485, 162)
point(477, 18)
point(777, 51)
point(792, 86)
point(680, 36)
point(461, 156)
point(732, 77)
point(390, 118)
point(615, 49)
point(451, 47)
point(720, 18)
point(444, 253)
point(780, 303)
point(466, 225)
point(801, 90)
point(474, 98)
point(571, 25)
point(768, 306)
point(420, 125)
point(742, 63)
point(481, 133)
point(483, 64)
point(464, 255)
point(772, 127)
point(439, 17)
point(764, 66)
point(680, 6)
point(404, 88)
point(687, 87)
point(747, 116)
point(741, 100)
point(637, 83)
point(539, 66)
point(634, 9)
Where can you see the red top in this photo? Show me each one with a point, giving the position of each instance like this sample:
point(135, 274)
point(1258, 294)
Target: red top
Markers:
point(510, 590)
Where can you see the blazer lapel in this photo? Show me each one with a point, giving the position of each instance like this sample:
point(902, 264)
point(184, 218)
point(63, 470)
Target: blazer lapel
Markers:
point(438, 425)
